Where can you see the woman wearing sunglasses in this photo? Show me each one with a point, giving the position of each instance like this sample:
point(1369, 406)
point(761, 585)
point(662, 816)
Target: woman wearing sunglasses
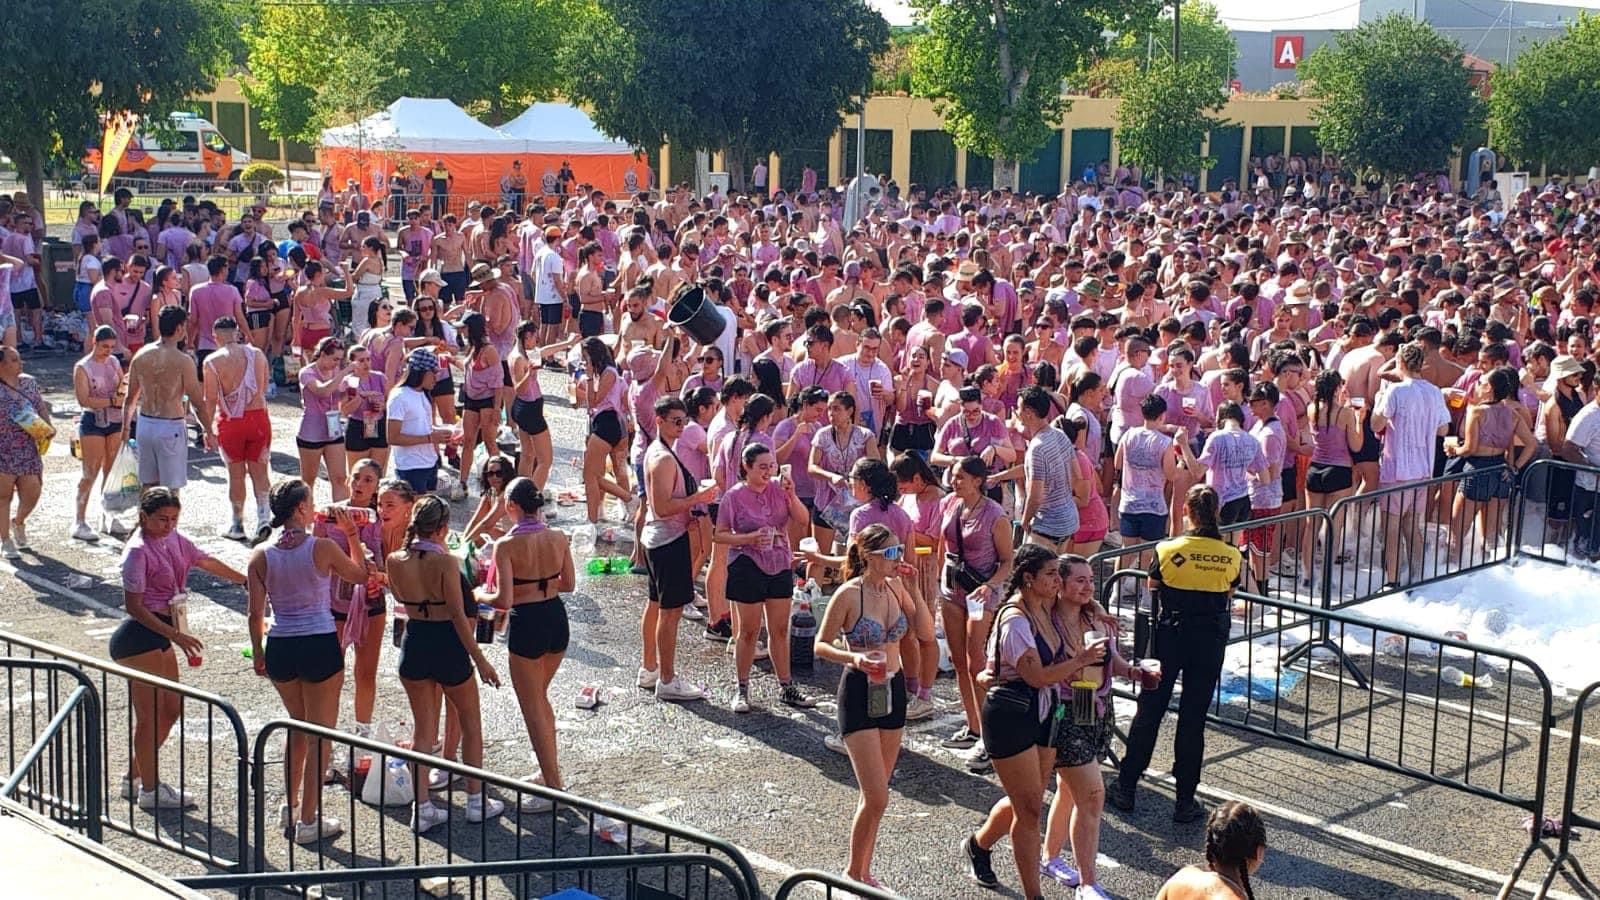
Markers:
point(321, 436)
point(710, 372)
point(489, 521)
point(869, 614)
point(361, 401)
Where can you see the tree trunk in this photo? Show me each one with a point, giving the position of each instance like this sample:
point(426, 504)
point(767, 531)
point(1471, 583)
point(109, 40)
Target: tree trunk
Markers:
point(734, 158)
point(30, 165)
point(1006, 172)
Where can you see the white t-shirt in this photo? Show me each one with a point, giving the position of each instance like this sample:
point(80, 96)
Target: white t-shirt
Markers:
point(729, 331)
point(548, 265)
point(88, 264)
point(413, 409)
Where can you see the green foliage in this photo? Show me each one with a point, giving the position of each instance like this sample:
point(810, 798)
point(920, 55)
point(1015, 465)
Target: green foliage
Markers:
point(261, 175)
point(1393, 94)
point(315, 65)
point(1164, 116)
point(996, 67)
point(1204, 41)
point(1542, 109)
point(891, 69)
point(82, 58)
point(710, 75)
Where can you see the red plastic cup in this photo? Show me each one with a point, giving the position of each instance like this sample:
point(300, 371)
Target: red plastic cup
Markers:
point(877, 667)
point(1149, 674)
point(194, 661)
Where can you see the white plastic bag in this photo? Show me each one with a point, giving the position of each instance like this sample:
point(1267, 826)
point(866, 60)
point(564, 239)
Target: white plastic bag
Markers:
point(389, 787)
point(121, 491)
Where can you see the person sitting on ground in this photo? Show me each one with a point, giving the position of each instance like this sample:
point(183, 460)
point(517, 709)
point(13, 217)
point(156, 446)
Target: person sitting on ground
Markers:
point(1236, 845)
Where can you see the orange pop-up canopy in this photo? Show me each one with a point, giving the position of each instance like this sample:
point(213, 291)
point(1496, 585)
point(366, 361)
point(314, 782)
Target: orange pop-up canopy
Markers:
point(415, 134)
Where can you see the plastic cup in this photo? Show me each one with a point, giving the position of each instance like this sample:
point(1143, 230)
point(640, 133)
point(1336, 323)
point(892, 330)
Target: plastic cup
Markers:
point(975, 608)
point(876, 386)
point(485, 632)
point(1149, 674)
point(194, 661)
point(1189, 406)
point(925, 400)
point(808, 545)
point(1358, 402)
point(877, 667)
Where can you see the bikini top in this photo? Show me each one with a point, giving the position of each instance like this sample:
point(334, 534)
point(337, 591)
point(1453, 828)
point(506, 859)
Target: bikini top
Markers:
point(423, 605)
point(868, 632)
point(531, 527)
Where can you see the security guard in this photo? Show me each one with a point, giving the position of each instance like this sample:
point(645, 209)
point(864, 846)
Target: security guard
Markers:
point(1193, 580)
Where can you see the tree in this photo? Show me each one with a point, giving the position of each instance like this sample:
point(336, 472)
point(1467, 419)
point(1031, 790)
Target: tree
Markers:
point(1162, 118)
point(996, 67)
point(1203, 38)
point(1393, 94)
point(1542, 108)
point(100, 56)
point(708, 74)
point(315, 65)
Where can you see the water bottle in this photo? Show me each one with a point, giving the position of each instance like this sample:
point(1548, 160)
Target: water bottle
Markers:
point(1454, 676)
point(802, 632)
point(598, 565)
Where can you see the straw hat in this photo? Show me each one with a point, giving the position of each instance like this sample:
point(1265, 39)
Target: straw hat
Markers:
point(1565, 366)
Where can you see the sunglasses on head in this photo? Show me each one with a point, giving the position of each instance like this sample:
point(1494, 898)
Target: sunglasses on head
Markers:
point(892, 553)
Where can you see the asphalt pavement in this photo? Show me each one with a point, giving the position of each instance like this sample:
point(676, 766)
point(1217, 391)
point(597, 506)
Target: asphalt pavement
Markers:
point(764, 781)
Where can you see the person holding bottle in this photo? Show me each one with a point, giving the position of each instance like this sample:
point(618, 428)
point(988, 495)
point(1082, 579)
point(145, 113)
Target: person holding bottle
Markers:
point(155, 565)
point(302, 656)
point(869, 613)
point(438, 653)
point(368, 634)
point(97, 380)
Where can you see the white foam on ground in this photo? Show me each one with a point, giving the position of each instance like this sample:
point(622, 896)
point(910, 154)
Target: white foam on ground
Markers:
point(1547, 613)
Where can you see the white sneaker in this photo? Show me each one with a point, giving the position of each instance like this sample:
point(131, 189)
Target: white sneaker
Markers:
point(482, 809)
point(165, 797)
point(9, 549)
point(835, 743)
point(82, 532)
point(647, 679)
point(918, 709)
point(761, 650)
point(326, 826)
point(235, 531)
point(741, 700)
point(19, 535)
point(678, 690)
point(1090, 892)
point(117, 528)
point(439, 779)
point(129, 788)
point(427, 816)
point(533, 803)
point(694, 613)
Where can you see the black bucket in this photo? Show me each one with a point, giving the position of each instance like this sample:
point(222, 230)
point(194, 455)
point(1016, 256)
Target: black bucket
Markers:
point(695, 313)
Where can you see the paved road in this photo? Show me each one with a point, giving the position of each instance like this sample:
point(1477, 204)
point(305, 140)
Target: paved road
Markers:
point(762, 781)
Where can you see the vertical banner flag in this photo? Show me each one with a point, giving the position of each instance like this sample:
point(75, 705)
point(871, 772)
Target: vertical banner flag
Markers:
point(119, 134)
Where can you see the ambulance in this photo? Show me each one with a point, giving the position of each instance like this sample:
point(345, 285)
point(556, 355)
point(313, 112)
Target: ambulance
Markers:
point(193, 150)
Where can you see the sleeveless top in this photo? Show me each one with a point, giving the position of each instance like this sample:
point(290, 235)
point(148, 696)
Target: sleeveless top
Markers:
point(296, 593)
point(1496, 426)
point(613, 399)
point(660, 532)
point(104, 377)
point(482, 381)
point(231, 404)
point(530, 390)
point(1329, 446)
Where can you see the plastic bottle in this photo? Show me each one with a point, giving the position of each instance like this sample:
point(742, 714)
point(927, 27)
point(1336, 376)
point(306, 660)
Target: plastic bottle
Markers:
point(1454, 676)
point(598, 565)
point(802, 631)
point(179, 609)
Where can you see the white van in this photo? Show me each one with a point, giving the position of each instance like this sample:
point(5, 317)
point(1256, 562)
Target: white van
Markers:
point(194, 150)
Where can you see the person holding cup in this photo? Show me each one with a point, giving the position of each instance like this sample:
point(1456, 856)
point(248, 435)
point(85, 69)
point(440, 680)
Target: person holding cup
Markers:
point(870, 613)
point(1080, 744)
point(361, 400)
point(320, 439)
point(914, 391)
point(974, 540)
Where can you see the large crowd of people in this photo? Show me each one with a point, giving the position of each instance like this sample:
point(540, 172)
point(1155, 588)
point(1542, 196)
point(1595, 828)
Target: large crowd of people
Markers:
point(942, 408)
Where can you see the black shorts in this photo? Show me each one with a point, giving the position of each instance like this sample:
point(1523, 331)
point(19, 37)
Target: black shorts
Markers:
point(748, 584)
point(1290, 490)
point(903, 437)
point(257, 319)
point(132, 638)
point(432, 651)
point(474, 404)
point(1235, 511)
point(1490, 479)
point(1440, 460)
point(817, 521)
point(607, 426)
point(28, 299)
point(87, 427)
point(505, 373)
point(1009, 729)
point(591, 323)
point(312, 658)
point(537, 629)
point(356, 439)
point(529, 415)
point(1326, 478)
point(574, 304)
point(1370, 447)
point(444, 387)
point(671, 570)
point(200, 362)
point(549, 314)
point(852, 697)
point(304, 444)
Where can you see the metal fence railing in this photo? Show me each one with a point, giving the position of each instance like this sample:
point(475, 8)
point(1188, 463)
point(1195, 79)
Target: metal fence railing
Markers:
point(831, 886)
point(1571, 818)
point(58, 773)
point(1556, 519)
point(205, 753)
point(567, 828)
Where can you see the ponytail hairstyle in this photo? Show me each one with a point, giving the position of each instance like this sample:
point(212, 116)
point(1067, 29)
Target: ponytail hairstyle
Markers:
point(910, 465)
point(523, 494)
point(1203, 506)
point(881, 484)
point(1031, 559)
point(1086, 380)
point(698, 399)
point(757, 408)
point(1046, 376)
point(862, 543)
point(476, 328)
point(428, 516)
point(382, 249)
point(284, 498)
point(847, 400)
point(769, 378)
point(1327, 385)
point(1234, 834)
point(751, 453)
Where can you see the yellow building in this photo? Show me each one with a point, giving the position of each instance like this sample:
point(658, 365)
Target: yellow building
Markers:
point(904, 139)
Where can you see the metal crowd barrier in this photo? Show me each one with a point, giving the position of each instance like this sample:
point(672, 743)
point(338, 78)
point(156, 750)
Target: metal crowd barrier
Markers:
point(1571, 818)
point(831, 885)
point(569, 830)
point(1570, 522)
point(206, 754)
point(58, 774)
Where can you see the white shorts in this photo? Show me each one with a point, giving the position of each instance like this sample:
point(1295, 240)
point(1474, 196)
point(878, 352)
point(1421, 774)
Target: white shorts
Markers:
point(163, 451)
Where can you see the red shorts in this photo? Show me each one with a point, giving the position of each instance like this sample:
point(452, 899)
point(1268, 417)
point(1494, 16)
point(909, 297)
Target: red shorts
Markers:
point(1260, 537)
point(307, 339)
point(245, 439)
